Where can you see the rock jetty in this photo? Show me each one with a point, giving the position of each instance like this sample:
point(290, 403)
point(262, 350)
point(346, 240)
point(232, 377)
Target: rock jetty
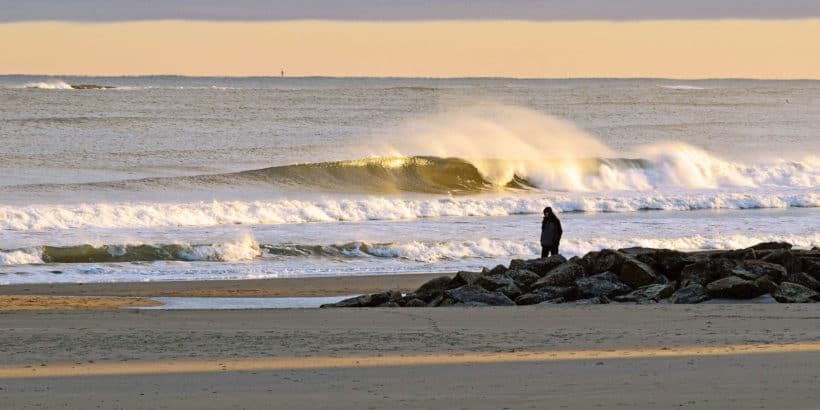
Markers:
point(631, 275)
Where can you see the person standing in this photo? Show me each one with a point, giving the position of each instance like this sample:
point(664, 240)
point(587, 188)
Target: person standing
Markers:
point(550, 233)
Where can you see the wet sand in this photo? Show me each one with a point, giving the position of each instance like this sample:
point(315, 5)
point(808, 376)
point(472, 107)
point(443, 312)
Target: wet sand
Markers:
point(610, 356)
point(62, 302)
point(283, 287)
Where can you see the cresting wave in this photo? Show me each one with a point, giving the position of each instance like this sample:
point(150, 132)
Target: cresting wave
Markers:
point(153, 215)
point(247, 249)
point(666, 166)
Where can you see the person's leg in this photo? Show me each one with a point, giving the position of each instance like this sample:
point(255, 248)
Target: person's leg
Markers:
point(545, 251)
point(554, 249)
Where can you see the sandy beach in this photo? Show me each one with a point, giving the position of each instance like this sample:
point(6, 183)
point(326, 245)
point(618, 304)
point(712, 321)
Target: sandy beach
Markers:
point(560, 356)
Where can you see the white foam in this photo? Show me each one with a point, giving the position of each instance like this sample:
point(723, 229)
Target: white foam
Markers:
point(151, 215)
point(245, 249)
point(26, 256)
point(49, 85)
point(489, 248)
point(682, 87)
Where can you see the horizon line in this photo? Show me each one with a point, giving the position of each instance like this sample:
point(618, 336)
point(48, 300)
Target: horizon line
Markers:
point(364, 77)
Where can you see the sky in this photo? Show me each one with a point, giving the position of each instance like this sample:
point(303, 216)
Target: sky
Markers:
point(413, 38)
point(392, 10)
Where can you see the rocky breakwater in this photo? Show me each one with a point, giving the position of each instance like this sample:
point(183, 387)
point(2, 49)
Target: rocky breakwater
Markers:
point(632, 275)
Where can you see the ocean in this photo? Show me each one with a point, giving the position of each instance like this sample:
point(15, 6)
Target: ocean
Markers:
point(174, 178)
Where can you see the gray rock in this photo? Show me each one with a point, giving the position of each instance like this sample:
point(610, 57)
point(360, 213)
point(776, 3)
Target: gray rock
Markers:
point(706, 271)
point(555, 292)
point(647, 293)
point(765, 246)
point(478, 294)
point(415, 302)
point(433, 288)
point(795, 293)
point(804, 279)
point(754, 269)
point(531, 299)
point(523, 278)
point(693, 293)
point(463, 278)
point(540, 266)
point(784, 258)
point(636, 273)
point(498, 270)
point(811, 267)
point(602, 284)
point(372, 300)
point(733, 287)
point(606, 260)
point(666, 262)
point(563, 275)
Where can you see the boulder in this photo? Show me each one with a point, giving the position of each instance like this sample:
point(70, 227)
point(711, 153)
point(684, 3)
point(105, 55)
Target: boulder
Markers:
point(547, 293)
point(666, 262)
point(795, 293)
point(602, 284)
point(499, 283)
point(784, 258)
point(531, 299)
point(803, 278)
point(646, 294)
point(372, 300)
point(767, 246)
point(754, 269)
point(540, 266)
point(563, 275)
point(463, 278)
point(523, 278)
point(811, 266)
point(636, 273)
point(498, 270)
point(433, 288)
point(606, 260)
point(733, 287)
point(415, 302)
point(706, 271)
point(468, 293)
point(692, 293)
point(555, 292)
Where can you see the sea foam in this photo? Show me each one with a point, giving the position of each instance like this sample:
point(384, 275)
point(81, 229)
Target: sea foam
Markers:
point(151, 215)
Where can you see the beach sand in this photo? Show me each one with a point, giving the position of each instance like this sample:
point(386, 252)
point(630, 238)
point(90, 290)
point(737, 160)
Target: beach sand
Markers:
point(556, 356)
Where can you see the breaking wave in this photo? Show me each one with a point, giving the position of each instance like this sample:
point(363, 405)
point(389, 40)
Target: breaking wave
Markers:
point(62, 85)
point(152, 215)
point(247, 249)
point(664, 166)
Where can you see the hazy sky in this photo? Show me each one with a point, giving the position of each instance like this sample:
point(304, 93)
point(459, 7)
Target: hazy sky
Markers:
point(546, 10)
point(413, 38)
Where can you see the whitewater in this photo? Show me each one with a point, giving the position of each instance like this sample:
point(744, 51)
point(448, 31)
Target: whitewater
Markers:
point(173, 178)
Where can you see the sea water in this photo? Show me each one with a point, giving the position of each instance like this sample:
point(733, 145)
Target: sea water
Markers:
point(175, 178)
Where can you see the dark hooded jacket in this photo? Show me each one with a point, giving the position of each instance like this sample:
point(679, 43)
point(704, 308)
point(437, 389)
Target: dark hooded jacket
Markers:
point(550, 230)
